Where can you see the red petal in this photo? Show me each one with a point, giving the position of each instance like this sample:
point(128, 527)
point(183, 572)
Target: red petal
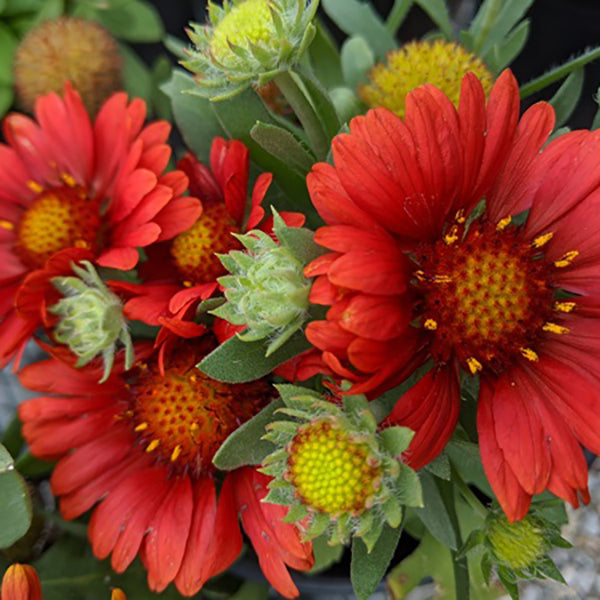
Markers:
point(430, 408)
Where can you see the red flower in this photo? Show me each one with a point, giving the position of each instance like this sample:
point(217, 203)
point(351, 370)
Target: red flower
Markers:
point(21, 582)
point(68, 183)
point(184, 271)
point(415, 273)
point(140, 448)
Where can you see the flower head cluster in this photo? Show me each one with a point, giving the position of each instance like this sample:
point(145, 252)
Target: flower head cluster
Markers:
point(248, 42)
point(336, 471)
point(266, 291)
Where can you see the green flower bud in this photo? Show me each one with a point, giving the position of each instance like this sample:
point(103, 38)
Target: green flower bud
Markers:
point(266, 291)
point(91, 320)
point(247, 43)
point(335, 467)
point(517, 545)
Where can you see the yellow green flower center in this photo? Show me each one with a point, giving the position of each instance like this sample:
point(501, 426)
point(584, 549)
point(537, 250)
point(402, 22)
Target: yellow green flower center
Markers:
point(58, 218)
point(488, 297)
point(194, 251)
point(440, 63)
point(518, 545)
point(332, 471)
point(248, 23)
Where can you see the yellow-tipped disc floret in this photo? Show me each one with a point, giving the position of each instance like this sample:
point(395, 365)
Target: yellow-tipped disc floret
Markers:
point(67, 49)
point(517, 545)
point(331, 470)
point(440, 63)
point(250, 22)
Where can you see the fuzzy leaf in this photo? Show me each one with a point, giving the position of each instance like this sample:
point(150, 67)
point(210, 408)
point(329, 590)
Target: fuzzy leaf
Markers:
point(325, 554)
point(15, 503)
point(193, 115)
point(300, 241)
point(357, 60)
point(282, 144)
point(237, 116)
point(438, 13)
point(435, 515)
point(397, 439)
point(567, 96)
point(133, 21)
point(368, 568)
point(501, 55)
point(358, 18)
point(324, 58)
point(245, 446)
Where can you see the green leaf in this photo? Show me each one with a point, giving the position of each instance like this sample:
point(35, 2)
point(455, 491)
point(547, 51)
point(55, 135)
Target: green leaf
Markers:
point(325, 554)
point(465, 458)
point(322, 103)
point(357, 60)
point(8, 43)
point(30, 466)
point(290, 392)
point(282, 144)
point(358, 18)
point(435, 515)
point(325, 58)
point(502, 17)
point(133, 21)
point(236, 361)
point(11, 8)
point(161, 103)
point(245, 446)
point(193, 115)
point(251, 590)
point(137, 78)
point(176, 46)
point(440, 467)
point(237, 116)
point(567, 96)
point(12, 439)
point(558, 73)
point(368, 568)
point(438, 13)
point(398, 14)
point(396, 439)
point(51, 9)
point(15, 503)
point(501, 55)
point(301, 242)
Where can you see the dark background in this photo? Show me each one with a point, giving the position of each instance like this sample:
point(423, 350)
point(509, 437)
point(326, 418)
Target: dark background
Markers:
point(559, 29)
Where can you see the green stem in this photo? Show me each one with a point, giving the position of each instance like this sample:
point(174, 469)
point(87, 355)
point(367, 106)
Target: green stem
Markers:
point(539, 83)
point(468, 495)
point(305, 112)
point(397, 15)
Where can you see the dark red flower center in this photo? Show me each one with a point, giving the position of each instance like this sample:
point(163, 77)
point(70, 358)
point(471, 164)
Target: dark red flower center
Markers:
point(184, 416)
point(194, 251)
point(488, 295)
point(59, 218)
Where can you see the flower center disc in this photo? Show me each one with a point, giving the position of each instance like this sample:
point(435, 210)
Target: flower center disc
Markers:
point(184, 416)
point(331, 472)
point(486, 297)
point(249, 22)
point(194, 250)
point(58, 218)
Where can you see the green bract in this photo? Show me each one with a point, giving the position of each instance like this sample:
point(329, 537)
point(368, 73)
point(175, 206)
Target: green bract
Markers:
point(91, 320)
point(248, 42)
point(266, 290)
point(335, 468)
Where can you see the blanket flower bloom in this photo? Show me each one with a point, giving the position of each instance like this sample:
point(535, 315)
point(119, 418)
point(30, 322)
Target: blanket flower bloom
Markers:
point(71, 183)
point(415, 273)
point(184, 271)
point(140, 448)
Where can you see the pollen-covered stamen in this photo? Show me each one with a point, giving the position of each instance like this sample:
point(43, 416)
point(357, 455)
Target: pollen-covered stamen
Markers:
point(59, 218)
point(194, 251)
point(182, 417)
point(332, 471)
point(490, 295)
